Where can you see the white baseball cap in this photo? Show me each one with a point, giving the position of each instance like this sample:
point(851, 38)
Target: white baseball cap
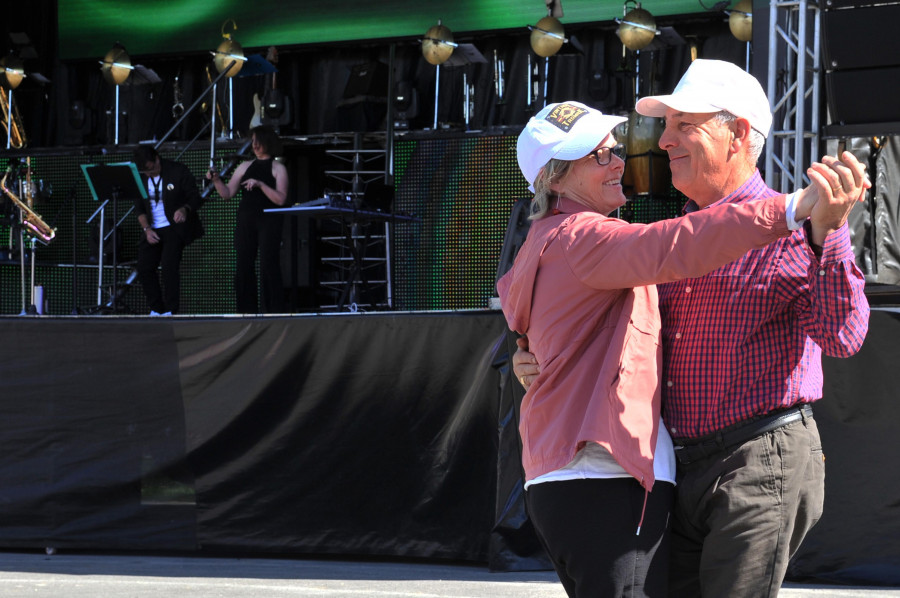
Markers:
point(565, 131)
point(711, 86)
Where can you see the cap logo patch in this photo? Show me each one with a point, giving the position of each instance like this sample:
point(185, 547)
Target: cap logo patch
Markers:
point(565, 116)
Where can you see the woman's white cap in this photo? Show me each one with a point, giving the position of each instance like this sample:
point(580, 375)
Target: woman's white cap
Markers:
point(712, 86)
point(565, 131)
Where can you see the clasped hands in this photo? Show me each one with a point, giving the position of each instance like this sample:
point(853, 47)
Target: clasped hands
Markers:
point(838, 184)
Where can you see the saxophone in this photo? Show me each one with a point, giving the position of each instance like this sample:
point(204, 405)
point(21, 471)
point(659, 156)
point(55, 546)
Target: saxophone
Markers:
point(32, 221)
point(17, 137)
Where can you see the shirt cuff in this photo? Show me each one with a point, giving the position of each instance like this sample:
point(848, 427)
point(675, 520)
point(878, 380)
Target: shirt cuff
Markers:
point(790, 209)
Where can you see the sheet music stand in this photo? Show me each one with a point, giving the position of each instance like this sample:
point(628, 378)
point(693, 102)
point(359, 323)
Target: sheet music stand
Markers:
point(112, 182)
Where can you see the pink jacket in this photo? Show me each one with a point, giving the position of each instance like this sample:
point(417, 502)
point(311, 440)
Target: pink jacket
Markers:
point(582, 289)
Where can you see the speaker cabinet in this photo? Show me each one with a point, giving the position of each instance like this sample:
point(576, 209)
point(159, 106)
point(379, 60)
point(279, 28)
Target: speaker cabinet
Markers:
point(862, 62)
point(296, 252)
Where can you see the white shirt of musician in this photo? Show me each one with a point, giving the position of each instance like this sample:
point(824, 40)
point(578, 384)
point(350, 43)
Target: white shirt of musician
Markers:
point(154, 189)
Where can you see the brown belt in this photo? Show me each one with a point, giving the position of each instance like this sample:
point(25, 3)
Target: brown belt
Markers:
point(689, 450)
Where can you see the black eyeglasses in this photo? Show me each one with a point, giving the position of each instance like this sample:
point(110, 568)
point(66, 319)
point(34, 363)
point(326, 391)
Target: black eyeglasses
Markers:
point(604, 154)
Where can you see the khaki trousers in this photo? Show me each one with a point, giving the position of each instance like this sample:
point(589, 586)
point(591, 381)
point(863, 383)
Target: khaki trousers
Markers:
point(740, 515)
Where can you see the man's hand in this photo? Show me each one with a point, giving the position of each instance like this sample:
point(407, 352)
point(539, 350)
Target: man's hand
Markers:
point(525, 365)
point(840, 183)
point(152, 237)
point(180, 215)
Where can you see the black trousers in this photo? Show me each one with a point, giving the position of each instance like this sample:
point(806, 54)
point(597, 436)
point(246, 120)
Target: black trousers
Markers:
point(588, 528)
point(168, 253)
point(257, 232)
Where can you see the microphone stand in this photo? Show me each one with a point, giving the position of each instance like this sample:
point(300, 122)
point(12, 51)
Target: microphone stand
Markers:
point(101, 239)
point(115, 257)
point(74, 252)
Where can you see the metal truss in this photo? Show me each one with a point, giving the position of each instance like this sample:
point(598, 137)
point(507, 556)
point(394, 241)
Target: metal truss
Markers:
point(794, 88)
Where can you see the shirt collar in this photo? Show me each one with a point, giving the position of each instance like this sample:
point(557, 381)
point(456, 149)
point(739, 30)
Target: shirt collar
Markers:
point(567, 206)
point(752, 187)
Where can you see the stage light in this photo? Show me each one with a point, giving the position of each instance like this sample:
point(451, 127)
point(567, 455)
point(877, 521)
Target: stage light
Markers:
point(638, 27)
point(740, 20)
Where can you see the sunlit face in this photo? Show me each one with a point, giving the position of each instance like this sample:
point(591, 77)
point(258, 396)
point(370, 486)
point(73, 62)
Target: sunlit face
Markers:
point(698, 147)
point(598, 187)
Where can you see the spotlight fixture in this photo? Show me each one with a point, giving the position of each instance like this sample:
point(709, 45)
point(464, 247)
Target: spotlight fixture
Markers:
point(547, 37)
point(12, 71)
point(229, 55)
point(438, 44)
point(116, 65)
point(637, 28)
point(740, 20)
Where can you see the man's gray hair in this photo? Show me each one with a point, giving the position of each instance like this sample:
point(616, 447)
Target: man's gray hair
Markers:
point(757, 139)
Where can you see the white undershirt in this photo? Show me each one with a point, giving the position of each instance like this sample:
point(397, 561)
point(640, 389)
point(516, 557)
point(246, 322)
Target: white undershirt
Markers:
point(594, 461)
point(154, 189)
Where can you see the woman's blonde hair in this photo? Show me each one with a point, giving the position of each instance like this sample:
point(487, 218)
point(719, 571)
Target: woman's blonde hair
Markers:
point(554, 172)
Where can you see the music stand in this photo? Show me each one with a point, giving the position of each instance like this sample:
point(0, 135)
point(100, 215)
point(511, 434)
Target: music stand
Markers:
point(112, 182)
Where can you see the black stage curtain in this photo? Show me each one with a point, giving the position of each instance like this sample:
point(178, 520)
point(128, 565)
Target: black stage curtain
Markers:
point(855, 542)
point(368, 434)
point(388, 434)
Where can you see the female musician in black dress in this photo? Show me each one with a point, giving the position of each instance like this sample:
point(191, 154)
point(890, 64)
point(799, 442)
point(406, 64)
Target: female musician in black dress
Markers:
point(265, 183)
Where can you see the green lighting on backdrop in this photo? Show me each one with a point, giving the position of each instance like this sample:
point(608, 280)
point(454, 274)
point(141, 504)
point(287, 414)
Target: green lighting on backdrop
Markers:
point(87, 27)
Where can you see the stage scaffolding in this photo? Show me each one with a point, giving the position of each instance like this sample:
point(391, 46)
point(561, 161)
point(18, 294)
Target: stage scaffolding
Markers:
point(794, 88)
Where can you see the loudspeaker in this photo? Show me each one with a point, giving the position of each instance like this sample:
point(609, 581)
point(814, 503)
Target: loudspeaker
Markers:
point(77, 124)
point(364, 103)
point(367, 79)
point(856, 72)
point(296, 252)
point(851, 94)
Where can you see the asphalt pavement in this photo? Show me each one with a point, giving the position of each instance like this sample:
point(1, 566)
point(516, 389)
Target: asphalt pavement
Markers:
point(79, 575)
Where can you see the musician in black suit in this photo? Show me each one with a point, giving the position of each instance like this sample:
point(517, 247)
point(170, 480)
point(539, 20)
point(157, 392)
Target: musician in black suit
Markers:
point(170, 222)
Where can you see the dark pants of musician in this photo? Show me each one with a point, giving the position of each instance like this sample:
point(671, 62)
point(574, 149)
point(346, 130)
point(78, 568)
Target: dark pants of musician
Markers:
point(258, 232)
point(167, 253)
